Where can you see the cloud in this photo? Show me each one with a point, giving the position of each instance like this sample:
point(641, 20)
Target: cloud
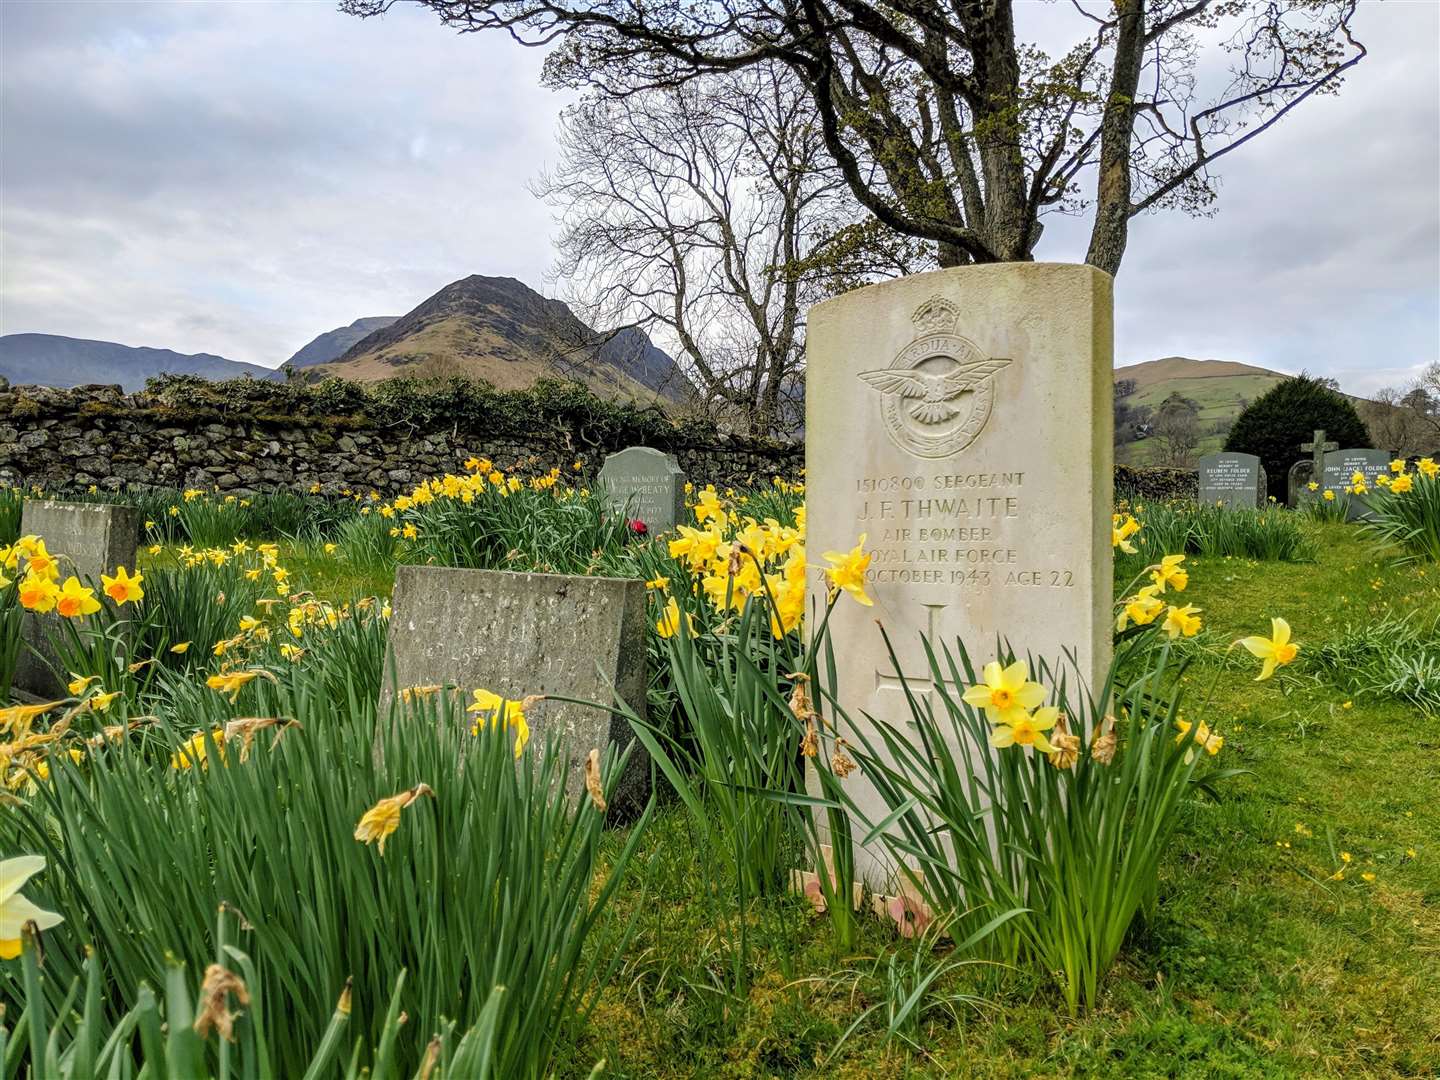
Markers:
point(236, 178)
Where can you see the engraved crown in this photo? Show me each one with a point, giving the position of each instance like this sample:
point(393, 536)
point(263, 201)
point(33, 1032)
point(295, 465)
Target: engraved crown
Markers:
point(936, 316)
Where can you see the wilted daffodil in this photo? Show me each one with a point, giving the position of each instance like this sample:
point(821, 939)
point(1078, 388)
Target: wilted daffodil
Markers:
point(1006, 692)
point(123, 588)
point(383, 818)
point(16, 910)
point(1276, 651)
point(847, 571)
point(1026, 729)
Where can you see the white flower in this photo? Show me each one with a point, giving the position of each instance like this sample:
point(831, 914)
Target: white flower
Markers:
point(15, 910)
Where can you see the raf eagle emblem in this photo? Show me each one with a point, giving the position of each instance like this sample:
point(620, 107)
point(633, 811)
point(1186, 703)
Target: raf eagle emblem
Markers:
point(937, 394)
point(934, 394)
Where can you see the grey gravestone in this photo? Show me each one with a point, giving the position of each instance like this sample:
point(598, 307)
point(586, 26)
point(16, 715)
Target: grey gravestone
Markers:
point(89, 539)
point(1233, 481)
point(1340, 468)
point(648, 484)
point(523, 634)
point(1297, 488)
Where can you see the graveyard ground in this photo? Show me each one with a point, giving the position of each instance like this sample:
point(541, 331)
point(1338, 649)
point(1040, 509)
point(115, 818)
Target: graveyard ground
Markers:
point(1262, 960)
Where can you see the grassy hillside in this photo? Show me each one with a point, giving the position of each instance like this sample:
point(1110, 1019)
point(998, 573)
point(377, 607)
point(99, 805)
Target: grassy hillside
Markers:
point(1221, 389)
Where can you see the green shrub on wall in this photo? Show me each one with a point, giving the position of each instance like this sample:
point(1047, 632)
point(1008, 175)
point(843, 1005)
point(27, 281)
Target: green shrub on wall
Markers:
point(416, 405)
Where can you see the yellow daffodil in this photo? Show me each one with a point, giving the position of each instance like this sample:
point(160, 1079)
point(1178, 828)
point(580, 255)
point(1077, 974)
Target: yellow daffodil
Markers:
point(16, 910)
point(1329, 495)
point(1122, 527)
point(383, 818)
point(1428, 467)
point(1398, 465)
point(194, 752)
point(75, 600)
point(1182, 621)
point(668, 625)
point(101, 702)
point(1276, 651)
point(708, 506)
point(1211, 741)
point(1141, 609)
point(180, 649)
point(1170, 574)
point(1026, 729)
point(78, 683)
point(38, 593)
point(1312, 486)
point(847, 571)
point(1402, 484)
point(40, 562)
point(1006, 692)
point(230, 682)
point(511, 713)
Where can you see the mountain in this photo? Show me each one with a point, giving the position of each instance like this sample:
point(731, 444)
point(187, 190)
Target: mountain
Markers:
point(333, 343)
point(52, 360)
point(1220, 387)
point(504, 332)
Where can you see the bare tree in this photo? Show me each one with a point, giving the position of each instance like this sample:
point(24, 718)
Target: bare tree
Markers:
point(1177, 429)
point(706, 214)
point(1406, 418)
point(946, 125)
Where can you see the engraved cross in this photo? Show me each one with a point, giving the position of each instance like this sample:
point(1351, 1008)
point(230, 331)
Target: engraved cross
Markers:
point(918, 684)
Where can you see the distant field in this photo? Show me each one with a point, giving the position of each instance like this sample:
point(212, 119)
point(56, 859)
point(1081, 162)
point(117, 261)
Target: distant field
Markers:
point(1220, 397)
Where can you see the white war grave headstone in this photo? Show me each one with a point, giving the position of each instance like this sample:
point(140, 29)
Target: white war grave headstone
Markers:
point(961, 420)
point(646, 485)
point(90, 539)
point(518, 635)
point(1234, 481)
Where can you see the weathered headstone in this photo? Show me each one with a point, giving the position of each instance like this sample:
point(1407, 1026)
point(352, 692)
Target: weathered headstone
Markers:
point(1234, 481)
point(1297, 488)
point(90, 539)
point(646, 485)
point(961, 420)
point(1340, 469)
point(523, 634)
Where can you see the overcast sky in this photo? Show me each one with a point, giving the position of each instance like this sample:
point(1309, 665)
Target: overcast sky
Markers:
point(235, 178)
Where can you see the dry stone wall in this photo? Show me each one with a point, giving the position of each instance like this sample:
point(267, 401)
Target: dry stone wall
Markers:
point(98, 435)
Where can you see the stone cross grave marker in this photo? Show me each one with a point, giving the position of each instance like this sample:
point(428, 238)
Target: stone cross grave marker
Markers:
point(1317, 447)
point(523, 634)
point(961, 420)
point(1234, 481)
point(1341, 467)
point(647, 485)
point(91, 539)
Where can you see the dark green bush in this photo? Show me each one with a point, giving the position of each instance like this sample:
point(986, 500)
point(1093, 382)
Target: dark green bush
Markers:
point(1273, 426)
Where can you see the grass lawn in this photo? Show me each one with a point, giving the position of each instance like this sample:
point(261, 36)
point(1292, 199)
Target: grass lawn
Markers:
point(1260, 961)
point(1257, 964)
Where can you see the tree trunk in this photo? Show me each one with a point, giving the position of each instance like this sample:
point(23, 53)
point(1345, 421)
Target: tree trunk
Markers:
point(1111, 231)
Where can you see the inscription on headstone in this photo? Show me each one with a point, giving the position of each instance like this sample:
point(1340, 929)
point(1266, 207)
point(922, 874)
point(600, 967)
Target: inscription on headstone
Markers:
point(1340, 469)
point(523, 634)
point(648, 484)
point(961, 420)
point(90, 539)
point(1233, 481)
